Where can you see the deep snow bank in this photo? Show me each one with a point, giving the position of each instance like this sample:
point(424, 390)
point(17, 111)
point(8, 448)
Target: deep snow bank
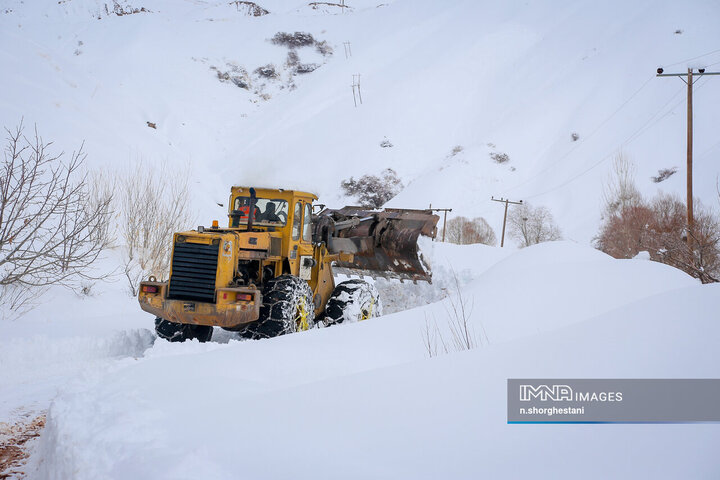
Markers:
point(363, 400)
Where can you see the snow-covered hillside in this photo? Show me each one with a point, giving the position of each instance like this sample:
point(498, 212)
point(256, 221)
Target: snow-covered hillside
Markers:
point(522, 76)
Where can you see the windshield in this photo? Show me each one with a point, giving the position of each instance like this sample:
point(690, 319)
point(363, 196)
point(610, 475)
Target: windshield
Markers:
point(270, 212)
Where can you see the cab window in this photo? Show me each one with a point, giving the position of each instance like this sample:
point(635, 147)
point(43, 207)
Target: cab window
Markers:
point(267, 212)
point(297, 217)
point(307, 227)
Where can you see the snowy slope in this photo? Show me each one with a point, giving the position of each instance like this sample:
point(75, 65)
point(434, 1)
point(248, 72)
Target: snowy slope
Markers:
point(364, 401)
point(521, 76)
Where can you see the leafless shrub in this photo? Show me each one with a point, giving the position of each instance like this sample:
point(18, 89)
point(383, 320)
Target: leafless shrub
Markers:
point(373, 191)
point(499, 157)
point(237, 75)
point(532, 225)
point(575, 136)
point(249, 8)
point(386, 143)
point(293, 60)
point(456, 149)
point(120, 9)
point(433, 339)
point(462, 335)
point(660, 228)
point(292, 40)
point(53, 221)
point(306, 68)
point(154, 206)
point(267, 71)
point(323, 48)
point(323, 6)
point(664, 174)
point(463, 231)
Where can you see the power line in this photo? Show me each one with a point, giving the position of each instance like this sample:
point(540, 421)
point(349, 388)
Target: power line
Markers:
point(626, 142)
point(694, 58)
point(569, 152)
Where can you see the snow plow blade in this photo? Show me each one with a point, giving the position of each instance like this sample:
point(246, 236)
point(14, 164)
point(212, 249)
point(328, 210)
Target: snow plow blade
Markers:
point(383, 243)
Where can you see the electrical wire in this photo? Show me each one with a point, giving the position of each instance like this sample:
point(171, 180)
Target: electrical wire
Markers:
point(590, 135)
point(629, 140)
point(694, 58)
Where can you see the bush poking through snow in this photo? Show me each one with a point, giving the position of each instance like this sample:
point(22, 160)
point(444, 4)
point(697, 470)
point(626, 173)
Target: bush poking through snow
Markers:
point(373, 191)
point(306, 68)
point(463, 231)
point(120, 10)
point(499, 157)
point(664, 174)
point(53, 219)
point(386, 143)
point(631, 225)
point(456, 149)
point(575, 136)
point(267, 71)
point(292, 40)
point(659, 227)
point(532, 225)
point(323, 48)
point(460, 335)
point(249, 8)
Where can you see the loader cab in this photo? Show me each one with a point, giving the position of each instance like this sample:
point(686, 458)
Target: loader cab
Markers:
point(278, 210)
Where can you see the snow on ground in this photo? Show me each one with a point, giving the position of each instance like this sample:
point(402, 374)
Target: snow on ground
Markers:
point(365, 401)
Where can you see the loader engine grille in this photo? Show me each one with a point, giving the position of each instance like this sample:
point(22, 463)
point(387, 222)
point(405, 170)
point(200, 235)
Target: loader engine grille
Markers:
point(193, 272)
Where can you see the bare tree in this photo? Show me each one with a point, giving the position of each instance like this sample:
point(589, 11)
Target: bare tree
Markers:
point(660, 228)
point(531, 225)
point(619, 190)
point(154, 203)
point(463, 231)
point(53, 224)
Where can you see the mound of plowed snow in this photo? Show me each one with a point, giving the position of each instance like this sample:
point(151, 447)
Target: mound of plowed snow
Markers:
point(365, 401)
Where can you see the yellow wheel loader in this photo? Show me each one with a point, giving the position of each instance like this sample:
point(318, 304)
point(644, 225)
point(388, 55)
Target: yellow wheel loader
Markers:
point(270, 271)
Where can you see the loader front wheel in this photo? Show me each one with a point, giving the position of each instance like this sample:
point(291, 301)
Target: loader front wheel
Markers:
point(179, 332)
point(352, 301)
point(287, 308)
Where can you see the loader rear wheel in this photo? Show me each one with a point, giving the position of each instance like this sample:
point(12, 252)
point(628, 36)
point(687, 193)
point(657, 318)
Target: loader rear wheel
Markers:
point(179, 332)
point(287, 308)
point(352, 301)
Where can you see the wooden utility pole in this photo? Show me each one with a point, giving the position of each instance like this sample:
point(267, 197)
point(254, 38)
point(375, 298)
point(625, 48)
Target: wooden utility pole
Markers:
point(506, 202)
point(445, 210)
point(691, 79)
